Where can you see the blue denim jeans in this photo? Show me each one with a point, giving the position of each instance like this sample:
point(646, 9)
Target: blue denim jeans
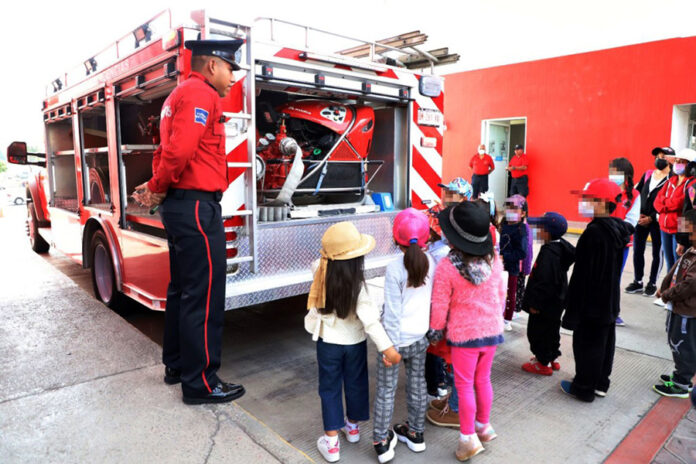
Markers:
point(343, 367)
point(453, 400)
point(669, 248)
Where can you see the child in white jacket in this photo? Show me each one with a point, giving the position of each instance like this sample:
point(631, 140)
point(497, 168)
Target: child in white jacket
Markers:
point(340, 314)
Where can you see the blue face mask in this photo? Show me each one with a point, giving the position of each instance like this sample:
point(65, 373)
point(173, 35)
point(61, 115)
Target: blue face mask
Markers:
point(679, 168)
point(618, 179)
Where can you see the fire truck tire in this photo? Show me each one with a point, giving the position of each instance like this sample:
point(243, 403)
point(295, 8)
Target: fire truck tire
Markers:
point(37, 242)
point(103, 277)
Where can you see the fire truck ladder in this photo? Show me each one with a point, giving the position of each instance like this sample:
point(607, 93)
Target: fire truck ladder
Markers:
point(410, 56)
point(238, 126)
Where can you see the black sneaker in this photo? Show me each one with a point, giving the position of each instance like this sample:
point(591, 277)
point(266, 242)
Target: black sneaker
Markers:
point(635, 287)
point(667, 378)
point(671, 390)
point(650, 289)
point(385, 448)
point(414, 440)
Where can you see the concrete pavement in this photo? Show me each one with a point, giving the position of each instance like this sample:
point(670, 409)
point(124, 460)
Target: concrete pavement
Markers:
point(83, 383)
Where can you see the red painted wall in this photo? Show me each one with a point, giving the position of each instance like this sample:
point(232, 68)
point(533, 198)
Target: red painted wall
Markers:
point(582, 110)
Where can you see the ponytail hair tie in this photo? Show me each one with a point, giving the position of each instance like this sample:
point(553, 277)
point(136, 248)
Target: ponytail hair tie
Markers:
point(413, 240)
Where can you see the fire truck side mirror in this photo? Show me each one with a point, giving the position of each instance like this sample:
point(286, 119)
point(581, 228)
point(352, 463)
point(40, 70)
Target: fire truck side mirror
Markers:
point(17, 154)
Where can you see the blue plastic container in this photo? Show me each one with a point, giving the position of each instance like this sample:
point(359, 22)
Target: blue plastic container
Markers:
point(384, 200)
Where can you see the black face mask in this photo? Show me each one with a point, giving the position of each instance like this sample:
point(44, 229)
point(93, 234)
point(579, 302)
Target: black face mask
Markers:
point(660, 163)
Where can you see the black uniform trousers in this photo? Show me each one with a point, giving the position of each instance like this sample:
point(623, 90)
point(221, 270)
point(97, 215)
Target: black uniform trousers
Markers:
point(196, 292)
point(519, 186)
point(544, 335)
point(479, 184)
point(593, 348)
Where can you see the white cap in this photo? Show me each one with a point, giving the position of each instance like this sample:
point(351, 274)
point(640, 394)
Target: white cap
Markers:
point(687, 154)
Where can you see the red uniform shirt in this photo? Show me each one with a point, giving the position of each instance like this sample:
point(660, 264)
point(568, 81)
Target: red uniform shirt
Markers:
point(191, 154)
point(517, 161)
point(481, 164)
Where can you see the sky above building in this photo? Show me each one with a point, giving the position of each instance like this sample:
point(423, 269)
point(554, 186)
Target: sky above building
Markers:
point(41, 42)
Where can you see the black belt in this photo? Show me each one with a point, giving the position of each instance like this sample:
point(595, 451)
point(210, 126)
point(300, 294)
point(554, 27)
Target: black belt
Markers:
point(199, 195)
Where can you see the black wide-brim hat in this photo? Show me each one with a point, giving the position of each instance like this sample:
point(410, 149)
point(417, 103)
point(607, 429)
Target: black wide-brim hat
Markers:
point(226, 50)
point(466, 226)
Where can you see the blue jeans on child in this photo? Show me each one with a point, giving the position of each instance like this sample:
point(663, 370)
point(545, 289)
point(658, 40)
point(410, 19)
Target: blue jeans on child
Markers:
point(343, 367)
point(669, 248)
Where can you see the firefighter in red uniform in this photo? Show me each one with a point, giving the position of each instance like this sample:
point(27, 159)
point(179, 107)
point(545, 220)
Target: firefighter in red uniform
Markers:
point(518, 170)
point(189, 175)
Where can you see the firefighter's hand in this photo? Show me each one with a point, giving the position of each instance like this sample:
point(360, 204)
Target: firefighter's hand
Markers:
point(146, 197)
point(680, 250)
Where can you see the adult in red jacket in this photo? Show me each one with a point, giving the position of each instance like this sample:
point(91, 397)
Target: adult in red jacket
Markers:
point(189, 174)
point(482, 164)
point(669, 204)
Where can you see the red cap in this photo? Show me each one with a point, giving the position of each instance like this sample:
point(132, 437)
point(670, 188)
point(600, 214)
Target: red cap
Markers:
point(602, 189)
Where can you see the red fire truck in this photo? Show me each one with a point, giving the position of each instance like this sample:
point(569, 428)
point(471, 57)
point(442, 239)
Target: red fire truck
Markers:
point(311, 139)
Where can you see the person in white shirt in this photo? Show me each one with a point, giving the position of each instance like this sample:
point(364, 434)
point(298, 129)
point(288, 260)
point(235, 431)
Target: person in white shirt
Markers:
point(406, 319)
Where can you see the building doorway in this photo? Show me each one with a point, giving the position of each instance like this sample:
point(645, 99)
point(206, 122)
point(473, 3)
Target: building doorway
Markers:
point(683, 127)
point(500, 136)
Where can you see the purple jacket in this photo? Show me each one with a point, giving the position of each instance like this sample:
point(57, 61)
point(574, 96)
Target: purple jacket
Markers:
point(529, 259)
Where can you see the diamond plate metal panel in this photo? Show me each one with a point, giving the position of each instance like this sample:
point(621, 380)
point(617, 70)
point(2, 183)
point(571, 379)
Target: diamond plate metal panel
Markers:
point(287, 249)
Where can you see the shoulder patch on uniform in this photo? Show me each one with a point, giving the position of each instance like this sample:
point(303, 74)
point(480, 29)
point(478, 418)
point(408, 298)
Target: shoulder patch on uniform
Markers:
point(692, 193)
point(200, 116)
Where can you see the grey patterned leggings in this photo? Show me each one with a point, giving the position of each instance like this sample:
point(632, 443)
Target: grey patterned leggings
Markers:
point(413, 357)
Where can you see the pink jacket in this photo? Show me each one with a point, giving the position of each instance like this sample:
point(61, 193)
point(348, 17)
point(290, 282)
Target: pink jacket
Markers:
point(471, 315)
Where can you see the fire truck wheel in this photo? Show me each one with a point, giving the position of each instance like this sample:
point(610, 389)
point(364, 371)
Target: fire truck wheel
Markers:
point(37, 242)
point(103, 277)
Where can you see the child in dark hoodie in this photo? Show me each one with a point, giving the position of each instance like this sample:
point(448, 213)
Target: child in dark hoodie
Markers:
point(544, 298)
point(593, 292)
point(678, 291)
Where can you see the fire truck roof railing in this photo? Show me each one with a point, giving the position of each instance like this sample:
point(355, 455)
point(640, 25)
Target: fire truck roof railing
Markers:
point(375, 49)
point(116, 51)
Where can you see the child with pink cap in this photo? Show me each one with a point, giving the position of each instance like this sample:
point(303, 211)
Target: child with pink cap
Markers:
point(406, 319)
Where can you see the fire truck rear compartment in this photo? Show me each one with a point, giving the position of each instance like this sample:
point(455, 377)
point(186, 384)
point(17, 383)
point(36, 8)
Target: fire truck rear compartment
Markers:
point(385, 167)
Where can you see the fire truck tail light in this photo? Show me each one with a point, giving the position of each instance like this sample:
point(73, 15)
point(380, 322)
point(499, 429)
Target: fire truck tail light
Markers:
point(428, 142)
point(171, 39)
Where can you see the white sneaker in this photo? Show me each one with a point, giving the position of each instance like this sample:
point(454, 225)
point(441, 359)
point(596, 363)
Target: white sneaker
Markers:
point(659, 302)
point(352, 434)
point(508, 326)
point(329, 451)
